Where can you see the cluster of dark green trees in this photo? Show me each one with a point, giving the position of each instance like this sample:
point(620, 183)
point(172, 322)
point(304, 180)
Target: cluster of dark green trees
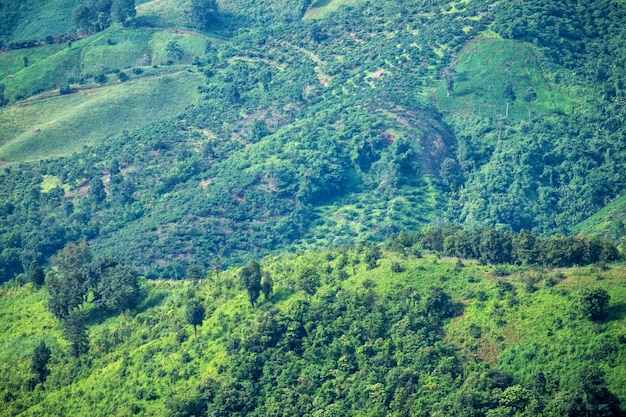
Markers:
point(501, 247)
point(99, 14)
point(77, 286)
point(76, 282)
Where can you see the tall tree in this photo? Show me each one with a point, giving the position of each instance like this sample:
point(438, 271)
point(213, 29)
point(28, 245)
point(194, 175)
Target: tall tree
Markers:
point(118, 289)
point(35, 274)
point(75, 332)
point(123, 10)
point(195, 272)
point(250, 280)
point(65, 293)
point(72, 257)
point(68, 286)
point(203, 13)
point(267, 285)
point(594, 303)
point(194, 314)
point(39, 365)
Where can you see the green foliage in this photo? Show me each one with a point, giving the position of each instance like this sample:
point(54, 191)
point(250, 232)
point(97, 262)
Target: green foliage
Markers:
point(35, 274)
point(390, 341)
point(75, 332)
point(593, 303)
point(123, 10)
point(194, 313)
point(250, 279)
point(39, 364)
point(203, 13)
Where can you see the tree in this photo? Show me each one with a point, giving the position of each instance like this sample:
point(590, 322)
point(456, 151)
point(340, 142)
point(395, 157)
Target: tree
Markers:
point(593, 303)
point(451, 173)
point(308, 280)
point(267, 284)
point(194, 314)
point(97, 192)
point(35, 274)
point(509, 96)
point(174, 51)
point(65, 293)
point(448, 77)
point(72, 257)
point(195, 272)
point(39, 365)
point(123, 10)
point(250, 280)
point(530, 96)
point(118, 289)
point(495, 246)
point(372, 255)
point(75, 332)
point(83, 18)
point(68, 286)
point(2, 100)
point(588, 397)
point(438, 304)
point(203, 13)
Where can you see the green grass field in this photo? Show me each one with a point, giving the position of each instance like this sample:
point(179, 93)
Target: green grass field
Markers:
point(63, 124)
point(483, 70)
point(609, 223)
point(164, 13)
point(321, 8)
point(38, 19)
point(46, 124)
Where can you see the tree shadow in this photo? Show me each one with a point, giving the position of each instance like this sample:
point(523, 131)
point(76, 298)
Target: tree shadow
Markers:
point(321, 3)
point(616, 312)
point(152, 299)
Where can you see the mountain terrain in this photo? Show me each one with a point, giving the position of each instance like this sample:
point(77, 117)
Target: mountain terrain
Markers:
point(320, 208)
point(271, 126)
point(375, 330)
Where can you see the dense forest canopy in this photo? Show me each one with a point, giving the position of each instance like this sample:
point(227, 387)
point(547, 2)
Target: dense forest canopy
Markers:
point(308, 125)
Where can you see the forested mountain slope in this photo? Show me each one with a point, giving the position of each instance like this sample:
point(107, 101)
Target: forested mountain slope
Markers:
point(366, 331)
point(305, 125)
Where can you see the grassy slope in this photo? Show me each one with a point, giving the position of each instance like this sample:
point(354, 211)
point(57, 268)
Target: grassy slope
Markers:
point(69, 122)
point(136, 362)
point(61, 125)
point(483, 70)
point(321, 8)
point(607, 223)
point(37, 19)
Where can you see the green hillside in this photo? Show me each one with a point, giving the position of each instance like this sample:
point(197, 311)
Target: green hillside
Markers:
point(312, 208)
point(608, 223)
point(177, 138)
point(343, 331)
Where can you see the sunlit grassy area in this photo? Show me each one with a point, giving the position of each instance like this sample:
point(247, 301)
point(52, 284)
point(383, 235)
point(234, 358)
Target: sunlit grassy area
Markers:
point(484, 69)
point(321, 8)
point(63, 124)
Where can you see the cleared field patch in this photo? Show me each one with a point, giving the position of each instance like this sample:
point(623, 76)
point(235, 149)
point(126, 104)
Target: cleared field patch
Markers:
point(491, 72)
point(61, 125)
point(321, 8)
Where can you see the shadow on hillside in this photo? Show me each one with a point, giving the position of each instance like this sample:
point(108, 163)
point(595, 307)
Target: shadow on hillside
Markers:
point(616, 312)
point(152, 299)
point(321, 3)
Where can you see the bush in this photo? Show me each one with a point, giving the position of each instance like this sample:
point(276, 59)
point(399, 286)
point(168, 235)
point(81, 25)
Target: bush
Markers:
point(593, 303)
